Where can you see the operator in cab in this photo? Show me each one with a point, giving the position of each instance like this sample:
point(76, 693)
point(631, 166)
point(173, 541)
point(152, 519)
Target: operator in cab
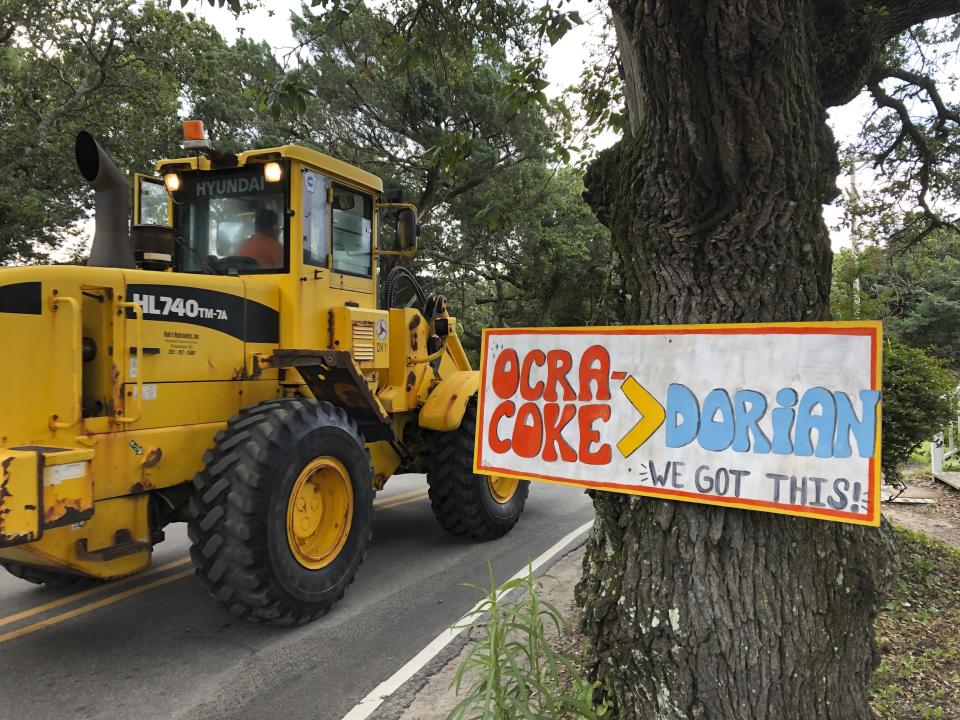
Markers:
point(264, 245)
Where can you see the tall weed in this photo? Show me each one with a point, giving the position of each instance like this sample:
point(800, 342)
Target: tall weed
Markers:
point(513, 669)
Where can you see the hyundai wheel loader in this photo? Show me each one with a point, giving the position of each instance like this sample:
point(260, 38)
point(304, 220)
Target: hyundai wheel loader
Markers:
point(223, 361)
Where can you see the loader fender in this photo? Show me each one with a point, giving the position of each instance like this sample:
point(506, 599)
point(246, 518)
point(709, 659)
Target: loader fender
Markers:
point(446, 405)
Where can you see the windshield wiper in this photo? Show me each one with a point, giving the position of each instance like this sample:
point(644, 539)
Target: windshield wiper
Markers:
point(204, 263)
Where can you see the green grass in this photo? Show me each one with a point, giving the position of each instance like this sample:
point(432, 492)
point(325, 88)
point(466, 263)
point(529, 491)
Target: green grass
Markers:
point(921, 456)
point(919, 636)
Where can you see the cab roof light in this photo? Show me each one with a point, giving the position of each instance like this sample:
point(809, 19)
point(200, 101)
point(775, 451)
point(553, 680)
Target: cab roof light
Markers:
point(272, 172)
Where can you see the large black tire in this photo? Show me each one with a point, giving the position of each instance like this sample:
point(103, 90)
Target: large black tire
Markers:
point(462, 501)
point(51, 579)
point(238, 512)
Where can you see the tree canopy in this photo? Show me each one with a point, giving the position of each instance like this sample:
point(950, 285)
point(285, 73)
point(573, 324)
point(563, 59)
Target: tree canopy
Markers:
point(428, 113)
point(541, 258)
point(125, 73)
point(916, 293)
point(910, 143)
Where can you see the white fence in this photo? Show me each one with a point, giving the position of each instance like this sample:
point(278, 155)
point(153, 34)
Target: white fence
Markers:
point(944, 445)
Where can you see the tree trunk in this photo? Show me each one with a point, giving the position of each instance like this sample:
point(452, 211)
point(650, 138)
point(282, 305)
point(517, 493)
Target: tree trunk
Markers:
point(714, 202)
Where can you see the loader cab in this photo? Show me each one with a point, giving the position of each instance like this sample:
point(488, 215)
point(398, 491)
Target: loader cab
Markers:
point(275, 216)
point(290, 217)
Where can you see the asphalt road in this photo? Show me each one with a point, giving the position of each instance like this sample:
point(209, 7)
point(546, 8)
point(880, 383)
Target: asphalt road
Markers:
point(160, 647)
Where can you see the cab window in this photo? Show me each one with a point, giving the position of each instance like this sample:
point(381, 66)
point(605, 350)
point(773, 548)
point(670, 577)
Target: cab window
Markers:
point(316, 223)
point(352, 231)
point(232, 222)
point(151, 201)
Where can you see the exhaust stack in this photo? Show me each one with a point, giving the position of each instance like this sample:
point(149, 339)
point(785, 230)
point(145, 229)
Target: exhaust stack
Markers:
point(111, 240)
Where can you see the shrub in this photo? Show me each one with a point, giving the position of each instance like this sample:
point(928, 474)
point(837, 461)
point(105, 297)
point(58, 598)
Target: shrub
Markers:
point(917, 402)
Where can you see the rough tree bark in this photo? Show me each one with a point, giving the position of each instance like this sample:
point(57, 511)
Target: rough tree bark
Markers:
point(714, 201)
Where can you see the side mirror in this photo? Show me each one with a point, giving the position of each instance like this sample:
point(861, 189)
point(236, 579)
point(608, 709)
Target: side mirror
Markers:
point(405, 229)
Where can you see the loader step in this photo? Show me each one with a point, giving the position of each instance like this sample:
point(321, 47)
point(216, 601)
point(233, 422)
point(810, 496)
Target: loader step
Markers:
point(124, 544)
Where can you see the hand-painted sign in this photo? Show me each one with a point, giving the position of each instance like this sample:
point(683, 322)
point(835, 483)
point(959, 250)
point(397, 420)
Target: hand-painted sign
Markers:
point(781, 417)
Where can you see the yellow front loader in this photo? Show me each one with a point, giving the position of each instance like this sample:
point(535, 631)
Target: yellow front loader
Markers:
point(224, 362)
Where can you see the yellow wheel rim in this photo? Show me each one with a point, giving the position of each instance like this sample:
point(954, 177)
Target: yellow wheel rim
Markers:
point(319, 512)
point(502, 488)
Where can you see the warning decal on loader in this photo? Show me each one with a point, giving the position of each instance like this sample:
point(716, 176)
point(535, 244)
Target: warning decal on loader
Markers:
point(781, 417)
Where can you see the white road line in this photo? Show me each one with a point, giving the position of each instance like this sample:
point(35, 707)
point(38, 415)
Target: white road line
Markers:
point(365, 708)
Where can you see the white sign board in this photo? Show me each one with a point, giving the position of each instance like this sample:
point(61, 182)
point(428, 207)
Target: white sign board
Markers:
point(780, 417)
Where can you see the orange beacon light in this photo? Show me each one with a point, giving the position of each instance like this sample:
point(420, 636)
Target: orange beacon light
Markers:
point(194, 137)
